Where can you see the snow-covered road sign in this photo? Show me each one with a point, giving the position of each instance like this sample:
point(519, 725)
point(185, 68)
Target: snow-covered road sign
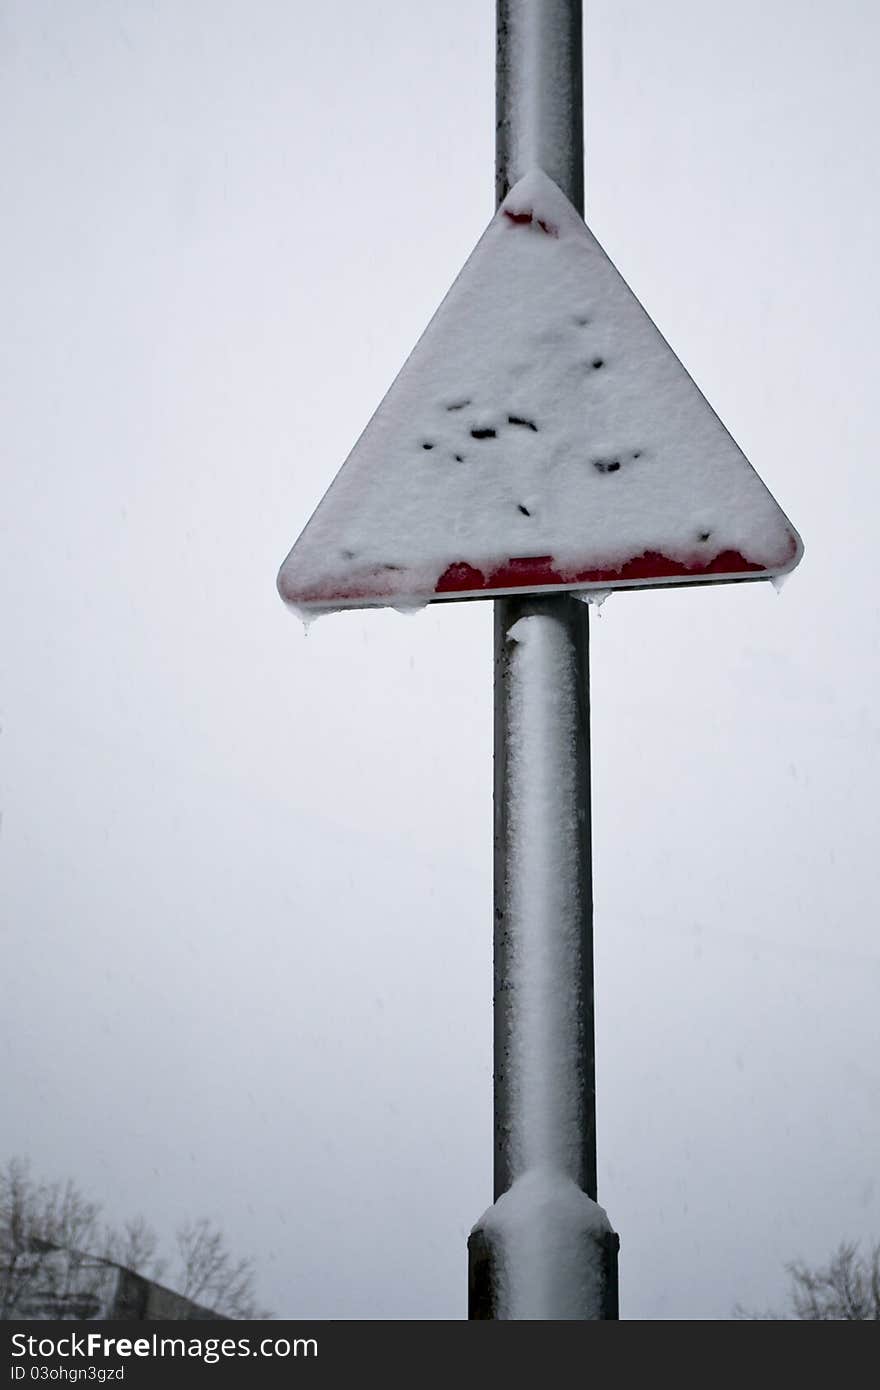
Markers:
point(541, 436)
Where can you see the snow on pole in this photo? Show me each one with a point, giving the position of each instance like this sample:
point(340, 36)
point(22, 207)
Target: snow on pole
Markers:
point(539, 103)
point(545, 1250)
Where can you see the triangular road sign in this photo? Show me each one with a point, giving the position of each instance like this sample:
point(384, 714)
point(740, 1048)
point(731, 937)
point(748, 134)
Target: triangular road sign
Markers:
point(541, 436)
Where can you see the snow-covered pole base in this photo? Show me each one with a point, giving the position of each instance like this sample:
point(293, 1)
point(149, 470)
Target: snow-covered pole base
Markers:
point(544, 1251)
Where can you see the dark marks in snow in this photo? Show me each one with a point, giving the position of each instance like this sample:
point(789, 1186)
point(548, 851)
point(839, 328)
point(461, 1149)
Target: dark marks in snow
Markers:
point(426, 445)
point(525, 511)
point(704, 535)
point(597, 362)
point(527, 219)
point(613, 465)
point(483, 432)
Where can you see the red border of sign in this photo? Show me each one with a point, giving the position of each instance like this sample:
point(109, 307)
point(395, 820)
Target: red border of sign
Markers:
point(537, 574)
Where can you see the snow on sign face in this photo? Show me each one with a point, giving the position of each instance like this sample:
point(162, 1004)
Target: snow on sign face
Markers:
point(542, 435)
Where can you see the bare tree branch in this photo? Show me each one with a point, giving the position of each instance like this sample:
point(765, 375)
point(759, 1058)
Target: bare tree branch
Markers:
point(55, 1255)
point(136, 1247)
point(847, 1289)
point(209, 1274)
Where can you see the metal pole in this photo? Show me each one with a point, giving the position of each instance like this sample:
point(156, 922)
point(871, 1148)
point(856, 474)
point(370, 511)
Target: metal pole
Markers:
point(544, 1250)
point(539, 94)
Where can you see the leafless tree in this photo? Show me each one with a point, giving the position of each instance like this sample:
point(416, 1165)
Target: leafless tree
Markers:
point(55, 1253)
point(210, 1275)
point(847, 1289)
point(35, 1220)
point(136, 1247)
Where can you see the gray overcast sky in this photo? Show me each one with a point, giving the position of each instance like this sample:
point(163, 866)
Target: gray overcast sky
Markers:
point(246, 877)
